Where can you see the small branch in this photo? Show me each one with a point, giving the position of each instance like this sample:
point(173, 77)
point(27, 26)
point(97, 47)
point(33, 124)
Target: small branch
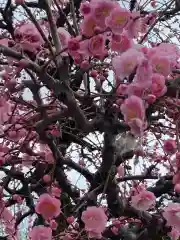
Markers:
point(74, 16)
point(54, 32)
point(38, 28)
point(6, 51)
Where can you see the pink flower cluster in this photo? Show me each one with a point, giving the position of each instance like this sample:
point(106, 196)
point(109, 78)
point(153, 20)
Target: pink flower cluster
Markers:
point(107, 20)
point(40, 232)
point(95, 221)
point(142, 199)
point(150, 68)
point(176, 177)
point(48, 206)
point(172, 215)
point(133, 111)
point(28, 37)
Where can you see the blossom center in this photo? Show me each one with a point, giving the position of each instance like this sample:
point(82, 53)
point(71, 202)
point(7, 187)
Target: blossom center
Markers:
point(49, 207)
point(120, 19)
point(104, 12)
point(131, 114)
point(159, 67)
point(129, 66)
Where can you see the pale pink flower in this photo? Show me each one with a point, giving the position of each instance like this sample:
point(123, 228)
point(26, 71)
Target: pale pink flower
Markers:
point(172, 215)
point(40, 233)
point(170, 146)
point(161, 64)
point(134, 27)
point(120, 171)
point(28, 37)
point(143, 201)
point(132, 108)
point(95, 46)
point(64, 36)
point(135, 89)
point(48, 206)
point(170, 50)
point(158, 87)
point(88, 26)
point(95, 221)
point(137, 126)
point(85, 8)
point(144, 74)
point(118, 19)
point(125, 64)
point(174, 234)
point(101, 9)
point(120, 43)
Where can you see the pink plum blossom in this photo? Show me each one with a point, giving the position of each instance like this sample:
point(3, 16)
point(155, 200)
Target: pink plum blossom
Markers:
point(126, 63)
point(28, 37)
point(137, 126)
point(174, 234)
point(133, 107)
point(95, 46)
point(158, 87)
point(88, 26)
point(161, 64)
point(64, 36)
point(101, 9)
point(133, 111)
point(134, 27)
point(170, 146)
point(172, 215)
point(120, 43)
point(40, 232)
point(169, 50)
point(95, 221)
point(48, 206)
point(85, 8)
point(135, 89)
point(118, 19)
point(143, 200)
point(144, 74)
